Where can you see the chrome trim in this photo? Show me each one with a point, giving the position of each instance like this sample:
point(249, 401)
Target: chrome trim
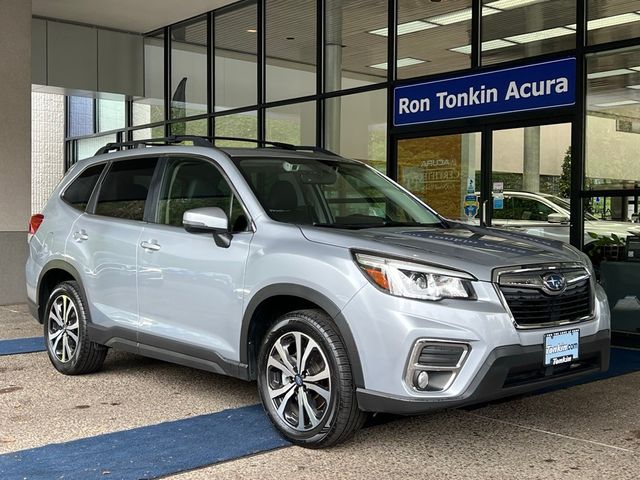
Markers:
point(550, 267)
point(414, 356)
point(537, 268)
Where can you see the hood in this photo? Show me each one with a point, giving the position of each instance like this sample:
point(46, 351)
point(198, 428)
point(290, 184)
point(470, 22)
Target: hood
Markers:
point(472, 249)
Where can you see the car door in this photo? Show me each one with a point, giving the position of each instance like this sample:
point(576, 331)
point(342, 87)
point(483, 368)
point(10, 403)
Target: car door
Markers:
point(190, 290)
point(104, 241)
point(530, 215)
point(501, 217)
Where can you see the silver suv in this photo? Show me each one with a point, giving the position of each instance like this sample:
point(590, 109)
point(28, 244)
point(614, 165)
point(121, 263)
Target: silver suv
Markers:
point(340, 292)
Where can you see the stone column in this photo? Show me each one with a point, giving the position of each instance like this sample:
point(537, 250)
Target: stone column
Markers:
point(15, 146)
point(531, 163)
point(467, 166)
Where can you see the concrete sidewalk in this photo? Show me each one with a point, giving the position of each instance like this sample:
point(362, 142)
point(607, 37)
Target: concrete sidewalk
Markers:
point(587, 431)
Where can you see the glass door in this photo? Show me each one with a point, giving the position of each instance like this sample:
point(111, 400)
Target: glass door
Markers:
point(530, 180)
point(444, 172)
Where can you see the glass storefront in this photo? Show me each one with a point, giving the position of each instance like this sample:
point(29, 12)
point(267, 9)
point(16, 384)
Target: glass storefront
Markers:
point(290, 30)
point(294, 124)
point(613, 121)
point(316, 72)
point(513, 30)
point(356, 127)
point(189, 68)
point(432, 37)
point(150, 108)
point(235, 57)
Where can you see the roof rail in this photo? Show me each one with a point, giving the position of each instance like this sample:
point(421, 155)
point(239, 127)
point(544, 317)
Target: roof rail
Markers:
point(203, 141)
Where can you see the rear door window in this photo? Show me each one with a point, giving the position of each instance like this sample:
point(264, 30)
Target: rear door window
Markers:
point(78, 193)
point(530, 209)
point(125, 189)
point(506, 212)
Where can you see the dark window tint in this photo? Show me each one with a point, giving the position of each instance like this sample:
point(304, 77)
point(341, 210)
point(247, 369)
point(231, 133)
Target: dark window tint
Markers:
point(78, 193)
point(506, 212)
point(529, 209)
point(190, 183)
point(124, 190)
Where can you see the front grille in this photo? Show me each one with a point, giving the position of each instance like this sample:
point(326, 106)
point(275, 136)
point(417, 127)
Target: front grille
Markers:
point(532, 306)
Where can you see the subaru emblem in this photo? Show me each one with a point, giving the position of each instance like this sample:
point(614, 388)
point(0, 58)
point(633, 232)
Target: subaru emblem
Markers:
point(554, 283)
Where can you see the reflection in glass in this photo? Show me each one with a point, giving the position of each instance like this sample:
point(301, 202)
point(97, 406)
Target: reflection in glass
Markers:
point(441, 170)
point(524, 28)
point(147, 133)
point(350, 48)
point(80, 119)
point(356, 127)
point(290, 48)
point(189, 68)
point(111, 114)
point(235, 58)
point(612, 20)
point(87, 147)
point(150, 108)
point(294, 124)
point(240, 125)
point(193, 127)
point(432, 37)
point(534, 159)
point(613, 122)
point(531, 180)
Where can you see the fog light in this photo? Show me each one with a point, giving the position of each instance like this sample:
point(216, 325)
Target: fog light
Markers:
point(422, 380)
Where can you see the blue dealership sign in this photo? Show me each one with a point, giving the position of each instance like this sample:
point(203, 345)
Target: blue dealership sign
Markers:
point(517, 89)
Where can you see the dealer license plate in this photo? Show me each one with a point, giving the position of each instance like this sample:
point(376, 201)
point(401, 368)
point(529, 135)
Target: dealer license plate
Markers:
point(561, 347)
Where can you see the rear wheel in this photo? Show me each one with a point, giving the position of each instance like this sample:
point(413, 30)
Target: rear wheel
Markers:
point(305, 381)
point(65, 332)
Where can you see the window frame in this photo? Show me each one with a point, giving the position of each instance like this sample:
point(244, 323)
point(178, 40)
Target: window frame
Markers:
point(155, 190)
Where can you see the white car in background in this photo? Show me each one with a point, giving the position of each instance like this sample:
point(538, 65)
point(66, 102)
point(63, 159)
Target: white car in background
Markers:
point(548, 216)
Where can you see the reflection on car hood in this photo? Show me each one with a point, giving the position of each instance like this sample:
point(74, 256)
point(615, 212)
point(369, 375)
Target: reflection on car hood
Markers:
point(470, 248)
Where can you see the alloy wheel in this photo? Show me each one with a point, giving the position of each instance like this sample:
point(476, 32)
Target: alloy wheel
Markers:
point(299, 381)
point(63, 328)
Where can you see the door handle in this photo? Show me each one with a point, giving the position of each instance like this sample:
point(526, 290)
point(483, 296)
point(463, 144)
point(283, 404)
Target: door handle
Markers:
point(151, 246)
point(80, 236)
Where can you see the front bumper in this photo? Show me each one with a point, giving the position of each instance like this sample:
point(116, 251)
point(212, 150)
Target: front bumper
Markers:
point(508, 370)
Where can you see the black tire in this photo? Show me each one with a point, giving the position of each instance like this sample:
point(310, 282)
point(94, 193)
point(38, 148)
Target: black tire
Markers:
point(339, 418)
point(76, 354)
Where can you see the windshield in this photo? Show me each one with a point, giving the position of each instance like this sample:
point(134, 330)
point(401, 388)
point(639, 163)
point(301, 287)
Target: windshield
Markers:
point(329, 193)
point(566, 205)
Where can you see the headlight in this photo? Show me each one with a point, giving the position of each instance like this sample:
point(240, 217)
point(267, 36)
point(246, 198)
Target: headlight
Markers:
point(413, 280)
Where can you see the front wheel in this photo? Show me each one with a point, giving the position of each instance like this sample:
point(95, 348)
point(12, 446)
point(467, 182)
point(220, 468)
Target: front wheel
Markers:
point(305, 381)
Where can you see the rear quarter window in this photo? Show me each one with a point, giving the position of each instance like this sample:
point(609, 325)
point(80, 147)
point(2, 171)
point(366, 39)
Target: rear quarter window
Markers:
point(78, 193)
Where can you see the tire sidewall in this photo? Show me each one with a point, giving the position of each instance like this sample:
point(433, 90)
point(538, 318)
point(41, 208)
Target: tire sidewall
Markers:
point(71, 292)
point(290, 323)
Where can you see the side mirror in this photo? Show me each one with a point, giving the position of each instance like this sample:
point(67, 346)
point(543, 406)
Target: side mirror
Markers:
point(557, 218)
point(208, 219)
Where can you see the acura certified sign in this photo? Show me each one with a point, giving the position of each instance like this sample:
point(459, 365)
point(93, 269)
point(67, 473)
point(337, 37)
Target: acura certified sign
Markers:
point(517, 89)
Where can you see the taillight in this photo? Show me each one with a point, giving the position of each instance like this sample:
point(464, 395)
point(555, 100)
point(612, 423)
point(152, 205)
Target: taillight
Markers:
point(35, 222)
